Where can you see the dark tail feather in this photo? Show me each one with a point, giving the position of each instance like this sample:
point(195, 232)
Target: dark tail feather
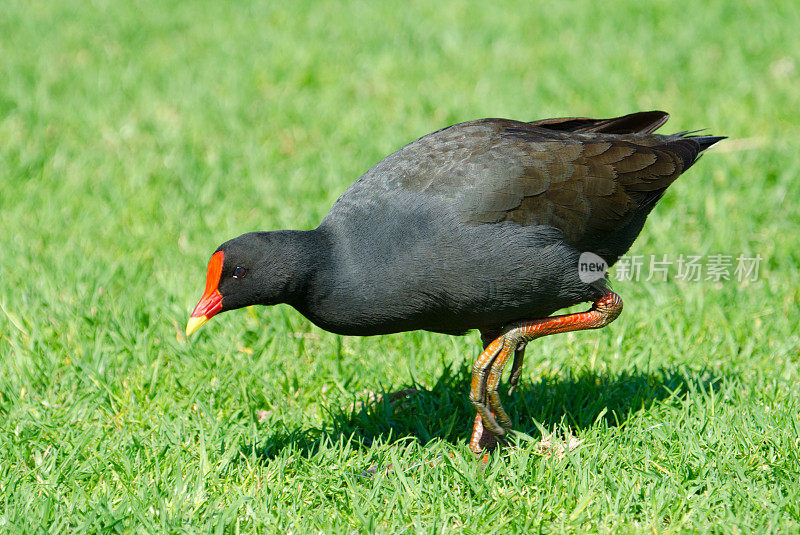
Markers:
point(707, 141)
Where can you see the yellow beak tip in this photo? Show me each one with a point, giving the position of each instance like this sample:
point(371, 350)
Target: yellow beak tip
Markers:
point(194, 323)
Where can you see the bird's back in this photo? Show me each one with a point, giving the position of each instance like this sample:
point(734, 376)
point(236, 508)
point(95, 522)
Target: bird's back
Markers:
point(588, 178)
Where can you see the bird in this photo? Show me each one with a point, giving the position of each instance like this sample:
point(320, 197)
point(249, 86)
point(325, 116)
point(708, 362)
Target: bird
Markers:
point(478, 226)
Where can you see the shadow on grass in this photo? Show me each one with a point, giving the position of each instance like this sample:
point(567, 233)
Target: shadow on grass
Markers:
point(444, 412)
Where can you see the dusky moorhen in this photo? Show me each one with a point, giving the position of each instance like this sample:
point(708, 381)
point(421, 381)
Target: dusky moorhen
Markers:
point(479, 225)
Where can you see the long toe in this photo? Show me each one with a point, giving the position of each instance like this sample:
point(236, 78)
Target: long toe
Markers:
point(482, 440)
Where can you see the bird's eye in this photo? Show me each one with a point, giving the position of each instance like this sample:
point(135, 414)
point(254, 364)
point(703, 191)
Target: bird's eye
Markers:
point(239, 272)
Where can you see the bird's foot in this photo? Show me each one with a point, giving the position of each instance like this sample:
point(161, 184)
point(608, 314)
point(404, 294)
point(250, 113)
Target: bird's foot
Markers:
point(486, 373)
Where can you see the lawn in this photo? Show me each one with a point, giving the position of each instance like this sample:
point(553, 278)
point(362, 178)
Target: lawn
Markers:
point(137, 136)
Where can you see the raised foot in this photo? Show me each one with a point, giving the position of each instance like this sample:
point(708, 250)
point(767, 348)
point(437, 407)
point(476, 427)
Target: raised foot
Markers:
point(492, 422)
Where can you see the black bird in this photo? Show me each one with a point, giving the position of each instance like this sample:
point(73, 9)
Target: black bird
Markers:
point(476, 226)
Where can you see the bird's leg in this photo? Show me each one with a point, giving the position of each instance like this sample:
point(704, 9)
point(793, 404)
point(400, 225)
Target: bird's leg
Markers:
point(481, 441)
point(478, 389)
point(487, 401)
point(488, 368)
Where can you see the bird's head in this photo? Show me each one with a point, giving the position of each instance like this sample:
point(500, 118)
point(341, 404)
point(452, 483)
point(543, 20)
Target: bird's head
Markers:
point(244, 271)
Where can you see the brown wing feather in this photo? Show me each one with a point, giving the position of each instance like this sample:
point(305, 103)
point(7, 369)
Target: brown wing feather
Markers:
point(588, 186)
point(594, 179)
point(643, 122)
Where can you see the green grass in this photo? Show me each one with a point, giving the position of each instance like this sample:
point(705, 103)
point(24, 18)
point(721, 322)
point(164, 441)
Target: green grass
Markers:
point(136, 136)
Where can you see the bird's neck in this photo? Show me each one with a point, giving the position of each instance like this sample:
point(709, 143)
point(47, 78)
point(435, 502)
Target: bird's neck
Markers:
point(301, 254)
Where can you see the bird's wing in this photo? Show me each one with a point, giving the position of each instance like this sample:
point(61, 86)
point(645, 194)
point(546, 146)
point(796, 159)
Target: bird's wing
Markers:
point(643, 122)
point(586, 184)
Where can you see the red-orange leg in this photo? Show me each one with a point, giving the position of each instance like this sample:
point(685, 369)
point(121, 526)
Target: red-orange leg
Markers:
point(483, 441)
point(488, 368)
point(485, 421)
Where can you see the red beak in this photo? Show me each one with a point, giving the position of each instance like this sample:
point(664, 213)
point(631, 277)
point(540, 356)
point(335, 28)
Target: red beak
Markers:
point(211, 301)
